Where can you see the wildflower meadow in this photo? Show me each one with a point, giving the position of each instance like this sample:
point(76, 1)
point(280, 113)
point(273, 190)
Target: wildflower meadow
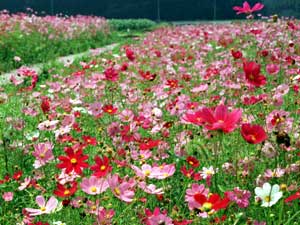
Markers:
point(195, 124)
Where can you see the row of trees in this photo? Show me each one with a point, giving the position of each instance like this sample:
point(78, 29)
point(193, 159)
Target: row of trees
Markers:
point(169, 9)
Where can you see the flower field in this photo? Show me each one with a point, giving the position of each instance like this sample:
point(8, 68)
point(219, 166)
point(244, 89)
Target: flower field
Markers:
point(189, 125)
point(29, 38)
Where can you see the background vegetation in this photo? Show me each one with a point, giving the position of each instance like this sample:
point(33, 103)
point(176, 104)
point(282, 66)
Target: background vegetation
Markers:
point(169, 9)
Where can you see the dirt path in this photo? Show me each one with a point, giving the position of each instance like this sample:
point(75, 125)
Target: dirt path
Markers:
point(4, 78)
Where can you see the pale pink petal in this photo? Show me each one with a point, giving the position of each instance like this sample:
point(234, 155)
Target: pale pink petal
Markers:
point(40, 201)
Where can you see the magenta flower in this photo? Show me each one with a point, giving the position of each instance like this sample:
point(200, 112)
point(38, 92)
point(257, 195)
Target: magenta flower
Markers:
point(45, 207)
point(196, 189)
point(94, 185)
point(247, 8)
point(240, 197)
point(219, 118)
point(104, 216)
point(121, 189)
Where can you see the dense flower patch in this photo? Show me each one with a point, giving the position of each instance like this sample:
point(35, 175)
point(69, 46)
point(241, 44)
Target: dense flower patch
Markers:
point(28, 38)
point(193, 125)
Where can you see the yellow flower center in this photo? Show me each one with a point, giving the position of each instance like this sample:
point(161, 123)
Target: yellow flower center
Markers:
point(73, 160)
point(102, 167)
point(43, 209)
point(117, 191)
point(267, 199)
point(93, 189)
point(42, 155)
point(206, 207)
point(66, 192)
point(252, 137)
point(147, 172)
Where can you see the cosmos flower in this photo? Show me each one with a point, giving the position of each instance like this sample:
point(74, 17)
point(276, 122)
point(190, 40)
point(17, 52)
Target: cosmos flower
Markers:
point(253, 75)
point(269, 195)
point(102, 167)
point(94, 185)
point(253, 134)
point(247, 8)
point(73, 161)
point(121, 189)
point(45, 207)
point(195, 189)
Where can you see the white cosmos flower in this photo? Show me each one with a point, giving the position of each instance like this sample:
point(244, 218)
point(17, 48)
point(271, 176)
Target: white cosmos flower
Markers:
point(268, 194)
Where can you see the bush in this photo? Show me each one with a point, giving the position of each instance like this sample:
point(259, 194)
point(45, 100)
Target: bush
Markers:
point(131, 24)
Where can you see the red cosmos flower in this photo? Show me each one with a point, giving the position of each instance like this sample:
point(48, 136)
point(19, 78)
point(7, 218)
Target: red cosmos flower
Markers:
point(293, 197)
point(220, 118)
point(89, 140)
point(17, 175)
point(253, 75)
point(253, 134)
point(236, 54)
point(147, 144)
point(172, 83)
point(190, 173)
point(130, 54)
point(63, 191)
point(110, 109)
point(111, 74)
point(102, 167)
point(192, 161)
point(211, 204)
point(147, 75)
point(247, 8)
point(73, 161)
point(45, 105)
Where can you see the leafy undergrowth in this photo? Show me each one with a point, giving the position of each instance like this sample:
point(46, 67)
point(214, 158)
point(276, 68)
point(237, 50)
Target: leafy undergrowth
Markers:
point(191, 125)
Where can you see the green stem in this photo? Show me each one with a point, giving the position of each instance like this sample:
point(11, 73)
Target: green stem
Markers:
point(290, 220)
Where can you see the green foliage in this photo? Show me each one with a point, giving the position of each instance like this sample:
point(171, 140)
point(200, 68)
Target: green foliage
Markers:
point(132, 24)
point(36, 48)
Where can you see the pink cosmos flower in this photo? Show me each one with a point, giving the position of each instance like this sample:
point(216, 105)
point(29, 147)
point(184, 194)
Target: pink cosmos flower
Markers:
point(278, 172)
point(279, 120)
point(43, 154)
point(157, 217)
point(196, 189)
point(45, 207)
point(104, 216)
point(219, 118)
point(272, 69)
point(64, 177)
point(162, 172)
point(145, 171)
point(247, 8)
point(24, 184)
point(240, 197)
point(150, 189)
point(94, 185)
point(121, 189)
point(8, 196)
point(126, 115)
